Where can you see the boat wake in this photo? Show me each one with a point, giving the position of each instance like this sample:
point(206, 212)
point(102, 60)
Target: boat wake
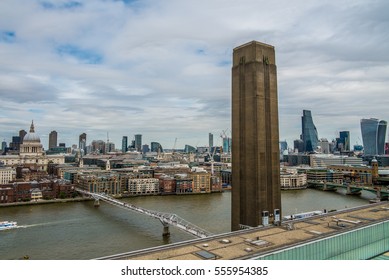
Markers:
point(48, 223)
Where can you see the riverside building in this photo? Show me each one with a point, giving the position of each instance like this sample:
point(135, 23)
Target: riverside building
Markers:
point(293, 180)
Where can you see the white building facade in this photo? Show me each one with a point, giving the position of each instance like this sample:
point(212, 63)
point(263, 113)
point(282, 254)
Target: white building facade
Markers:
point(6, 175)
point(143, 186)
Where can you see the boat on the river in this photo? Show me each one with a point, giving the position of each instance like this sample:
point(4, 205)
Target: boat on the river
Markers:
point(7, 225)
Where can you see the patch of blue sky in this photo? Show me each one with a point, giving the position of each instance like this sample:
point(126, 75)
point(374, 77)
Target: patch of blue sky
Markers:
point(129, 2)
point(36, 111)
point(135, 5)
point(64, 5)
point(224, 63)
point(200, 52)
point(7, 36)
point(82, 55)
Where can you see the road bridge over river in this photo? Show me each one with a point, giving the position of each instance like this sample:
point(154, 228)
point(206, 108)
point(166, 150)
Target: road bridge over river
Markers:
point(382, 192)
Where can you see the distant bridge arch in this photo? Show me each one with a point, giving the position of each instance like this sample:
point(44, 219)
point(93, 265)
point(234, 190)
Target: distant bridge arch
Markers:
point(381, 192)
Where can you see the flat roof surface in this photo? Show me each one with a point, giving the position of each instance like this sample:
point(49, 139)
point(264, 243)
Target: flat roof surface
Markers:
point(246, 244)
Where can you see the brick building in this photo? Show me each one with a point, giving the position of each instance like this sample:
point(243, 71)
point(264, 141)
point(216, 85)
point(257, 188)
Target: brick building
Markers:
point(25, 191)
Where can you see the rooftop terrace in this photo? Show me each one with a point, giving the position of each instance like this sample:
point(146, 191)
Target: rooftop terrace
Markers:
point(256, 242)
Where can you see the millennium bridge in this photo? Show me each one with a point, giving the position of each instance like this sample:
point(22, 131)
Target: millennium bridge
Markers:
point(165, 218)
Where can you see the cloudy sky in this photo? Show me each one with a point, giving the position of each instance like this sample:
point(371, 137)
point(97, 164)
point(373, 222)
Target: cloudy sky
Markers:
point(163, 68)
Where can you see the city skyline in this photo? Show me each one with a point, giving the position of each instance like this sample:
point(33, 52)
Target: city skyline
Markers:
point(163, 69)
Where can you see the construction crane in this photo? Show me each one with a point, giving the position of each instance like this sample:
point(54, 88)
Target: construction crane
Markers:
point(224, 133)
point(224, 137)
point(211, 159)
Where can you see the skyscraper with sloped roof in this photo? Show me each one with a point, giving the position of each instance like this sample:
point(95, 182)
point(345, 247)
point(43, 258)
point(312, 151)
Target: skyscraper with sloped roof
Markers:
point(309, 132)
point(373, 136)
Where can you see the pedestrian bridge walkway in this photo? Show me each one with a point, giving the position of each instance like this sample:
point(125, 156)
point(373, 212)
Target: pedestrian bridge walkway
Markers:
point(165, 218)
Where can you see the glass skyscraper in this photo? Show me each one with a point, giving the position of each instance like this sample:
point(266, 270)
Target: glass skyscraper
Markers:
point(381, 137)
point(309, 132)
point(156, 147)
point(138, 142)
point(189, 149)
point(226, 145)
point(124, 144)
point(373, 136)
point(344, 139)
point(82, 143)
point(53, 139)
point(210, 140)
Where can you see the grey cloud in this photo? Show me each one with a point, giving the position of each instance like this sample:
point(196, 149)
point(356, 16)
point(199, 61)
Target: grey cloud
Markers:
point(166, 65)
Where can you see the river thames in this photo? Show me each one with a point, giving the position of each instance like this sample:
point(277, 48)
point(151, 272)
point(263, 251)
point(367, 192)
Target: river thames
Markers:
point(77, 231)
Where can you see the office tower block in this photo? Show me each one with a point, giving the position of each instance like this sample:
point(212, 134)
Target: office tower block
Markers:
point(82, 143)
point(256, 192)
point(283, 148)
point(344, 137)
point(309, 132)
point(3, 146)
point(22, 133)
point(189, 149)
point(16, 142)
point(373, 136)
point(145, 149)
point(109, 147)
point(156, 147)
point(324, 146)
point(381, 137)
point(124, 144)
point(53, 139)
point(298, 145)
point(210, 140)
point(138, 142)
point(227, 145)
